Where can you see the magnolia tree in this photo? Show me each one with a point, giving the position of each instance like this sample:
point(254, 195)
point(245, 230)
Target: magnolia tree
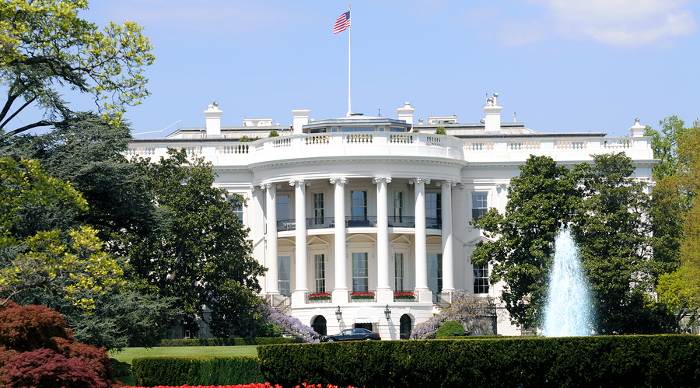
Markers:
point(289, 325)
point(476, 314)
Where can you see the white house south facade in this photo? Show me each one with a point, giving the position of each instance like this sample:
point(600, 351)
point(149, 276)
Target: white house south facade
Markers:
point(365, 221)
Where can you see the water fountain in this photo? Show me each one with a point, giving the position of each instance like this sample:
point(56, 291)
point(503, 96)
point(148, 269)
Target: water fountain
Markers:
point(568, 310)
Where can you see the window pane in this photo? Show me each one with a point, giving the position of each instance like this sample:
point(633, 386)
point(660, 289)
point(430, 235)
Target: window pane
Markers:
point(398, 272)
point(318, 208)
point(479, 204)
point(282, 207)
point(359, 272)
point(435, 273)
point(481, 279)
point(284, 275)
point(359, 205)
point(398, 206)
point(320, 266)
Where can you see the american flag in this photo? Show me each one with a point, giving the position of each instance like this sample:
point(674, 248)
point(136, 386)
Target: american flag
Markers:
point(342, 23)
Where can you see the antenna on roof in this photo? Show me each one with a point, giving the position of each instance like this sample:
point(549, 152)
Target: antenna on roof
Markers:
point(515, 117)
point(145, 133)
point(379, 112)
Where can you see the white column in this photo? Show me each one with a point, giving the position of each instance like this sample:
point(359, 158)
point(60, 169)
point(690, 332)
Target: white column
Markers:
point(300, 287)
point(422, 291)
point(271, 237)
point(384, 293)
point(448, 284)
point(340, 292)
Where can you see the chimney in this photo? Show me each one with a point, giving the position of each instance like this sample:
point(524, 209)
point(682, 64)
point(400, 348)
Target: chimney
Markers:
point(405, 112)
point(637, 130)
point(492, 114)
point(300, 117)
point(212, 118)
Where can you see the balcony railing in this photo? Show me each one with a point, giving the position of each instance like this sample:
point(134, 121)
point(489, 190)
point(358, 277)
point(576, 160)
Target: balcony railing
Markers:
point(320, 222)
point(402, 222)
point(433, 223)
point(359, 222)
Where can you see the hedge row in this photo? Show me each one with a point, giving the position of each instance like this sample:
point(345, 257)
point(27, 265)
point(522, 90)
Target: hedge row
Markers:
point(664, 360)
point(227, 341)
point(196, 371)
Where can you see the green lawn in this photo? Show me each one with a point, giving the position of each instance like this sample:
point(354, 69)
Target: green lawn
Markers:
point(128, 354)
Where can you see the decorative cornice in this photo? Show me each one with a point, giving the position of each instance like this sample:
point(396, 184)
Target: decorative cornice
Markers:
point(296, 182)
point(266, 186)
point(338, 180)
point(419, 180)
point(381, 179)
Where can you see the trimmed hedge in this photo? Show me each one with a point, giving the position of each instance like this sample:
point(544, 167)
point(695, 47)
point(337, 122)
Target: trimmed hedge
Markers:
point(228, 341)
point(663, 360)
point(196, 371)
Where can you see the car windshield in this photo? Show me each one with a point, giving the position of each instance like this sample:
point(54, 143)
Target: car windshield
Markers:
point(347, 332)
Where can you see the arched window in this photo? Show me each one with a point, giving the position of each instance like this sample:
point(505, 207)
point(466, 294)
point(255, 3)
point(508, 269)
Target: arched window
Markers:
point(405, 327)
point(319, 325)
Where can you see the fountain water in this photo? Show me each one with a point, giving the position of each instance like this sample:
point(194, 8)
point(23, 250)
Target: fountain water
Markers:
point(568, 311)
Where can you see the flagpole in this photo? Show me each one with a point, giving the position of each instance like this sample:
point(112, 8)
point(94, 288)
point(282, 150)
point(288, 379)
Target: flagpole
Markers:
point(350, 63)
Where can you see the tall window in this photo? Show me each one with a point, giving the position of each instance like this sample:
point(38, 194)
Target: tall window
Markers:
point(358, 210)
point(283, 207)
point(284, 275)
point(481, 279)
point(238, 209)
point(360, 274)
point(479, 204)
point(398, 206)
point(433, 211)
point(398, 271)
point(435, 273)
point(318, 209)
point(320, 265)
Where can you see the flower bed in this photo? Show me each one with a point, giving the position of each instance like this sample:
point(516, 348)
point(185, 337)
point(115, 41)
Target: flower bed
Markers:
point(362, 295)
point(404, 295)
point(254, 385)
point(319, 297)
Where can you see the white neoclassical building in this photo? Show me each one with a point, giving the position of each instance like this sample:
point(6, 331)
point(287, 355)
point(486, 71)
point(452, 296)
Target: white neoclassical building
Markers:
point(365, 221)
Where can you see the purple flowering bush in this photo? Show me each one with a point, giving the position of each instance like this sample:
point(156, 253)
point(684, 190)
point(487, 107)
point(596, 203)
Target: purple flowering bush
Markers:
point(289, 325)
point(477, 315)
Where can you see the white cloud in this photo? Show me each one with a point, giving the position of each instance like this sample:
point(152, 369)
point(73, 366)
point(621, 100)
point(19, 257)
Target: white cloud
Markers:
point(621, 22)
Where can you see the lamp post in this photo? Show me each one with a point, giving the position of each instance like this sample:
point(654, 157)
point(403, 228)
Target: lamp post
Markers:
point(338, 314)
point(387, 313)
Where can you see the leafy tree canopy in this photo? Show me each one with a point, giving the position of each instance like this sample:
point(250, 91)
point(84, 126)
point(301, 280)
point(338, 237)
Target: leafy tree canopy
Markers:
point(519, 243)
point(200, 252)
point(46, 48)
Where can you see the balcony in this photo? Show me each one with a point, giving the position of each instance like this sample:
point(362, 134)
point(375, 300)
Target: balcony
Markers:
point(359, 222)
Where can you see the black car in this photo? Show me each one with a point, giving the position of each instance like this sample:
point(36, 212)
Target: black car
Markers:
point(357, 334)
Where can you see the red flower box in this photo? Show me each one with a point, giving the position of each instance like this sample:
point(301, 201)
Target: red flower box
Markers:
point(362, 295)
point(315, 296)
point(404, 295)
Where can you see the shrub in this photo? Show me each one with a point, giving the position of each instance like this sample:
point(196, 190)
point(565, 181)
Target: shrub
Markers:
point(440, 131)
point(196, 371)
point(663, 360)
point(48, 368)
point(41, 351)
point(450, 329)
point(273, 133)
point(227, 341)
point(24, 328)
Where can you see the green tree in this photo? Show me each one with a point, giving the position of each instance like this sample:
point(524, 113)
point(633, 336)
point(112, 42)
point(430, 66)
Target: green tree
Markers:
point(611, 227)
point(519, 243)
point(200, 252)
point(680, 290)
point(46, 48)
point(34, 201)
point(74, 269)
point(664, 143)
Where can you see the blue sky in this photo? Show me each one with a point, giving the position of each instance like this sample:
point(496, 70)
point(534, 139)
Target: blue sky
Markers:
point(562, 65)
